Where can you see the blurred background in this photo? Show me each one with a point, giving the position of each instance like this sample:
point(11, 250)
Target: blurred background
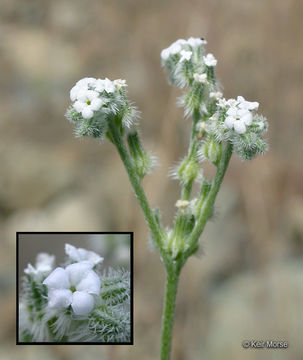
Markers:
point(248, 283)
point(113, 248)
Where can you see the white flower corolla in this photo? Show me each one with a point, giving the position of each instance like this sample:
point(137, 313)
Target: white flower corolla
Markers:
point(75, 285)
point(210, 60)
point(81, 85)
point(248, 105)
point(44, 264)
point(119, 83)
point(239, 114)
point(196, 42)
point(215, 95)
point(80, 254)
point(88, 102)
point(105, 85)
point(200, 78)
point(185, 55)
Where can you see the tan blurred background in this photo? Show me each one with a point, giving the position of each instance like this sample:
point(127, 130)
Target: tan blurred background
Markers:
point(249, 282)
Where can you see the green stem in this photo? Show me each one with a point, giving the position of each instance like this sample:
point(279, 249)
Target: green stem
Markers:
point(171, 287)
point(187, 188)
point(209, 202)
point(136, 184)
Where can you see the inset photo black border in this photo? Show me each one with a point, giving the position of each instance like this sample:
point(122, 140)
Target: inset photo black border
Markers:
point(131, 288)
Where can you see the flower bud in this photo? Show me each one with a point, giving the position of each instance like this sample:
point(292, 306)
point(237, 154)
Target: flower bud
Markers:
point(213, 150)
point(142, 160)
point(189, 170)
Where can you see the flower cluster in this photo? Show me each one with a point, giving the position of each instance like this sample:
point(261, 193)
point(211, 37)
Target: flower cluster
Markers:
point(190, 66)
point(236, 120)
point(239, 114)
point(97, 101)
point(188, 63)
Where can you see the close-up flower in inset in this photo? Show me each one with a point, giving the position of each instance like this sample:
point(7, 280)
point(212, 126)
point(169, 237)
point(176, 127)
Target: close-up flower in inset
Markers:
point(75, 285)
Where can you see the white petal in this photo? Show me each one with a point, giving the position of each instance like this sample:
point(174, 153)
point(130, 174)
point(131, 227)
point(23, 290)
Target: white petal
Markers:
point(79, 106)
point(239, 127)
point(247, 118)
point(90, 256)
point(82, 303)
point(30, 270)
point(91, 94)
point(229, 122)
point(87, 112)
point(74, 92)
point(59, 298)
point(165, 54)
point(109, 86)
point(90, 284)
point(78, 271)
point(58, 279)
point(174, 48)
point(99, 85)
point(195, 42)
point(82, 95)
point(96, 104)
point(233, 111)
point(86, 81)
point(240, 99)
point(181, 42)
point(253, 105)
point(45, 262)
point(72, 252)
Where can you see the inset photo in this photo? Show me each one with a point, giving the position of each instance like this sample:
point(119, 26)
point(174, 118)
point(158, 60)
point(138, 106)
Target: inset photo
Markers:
point(74, 288)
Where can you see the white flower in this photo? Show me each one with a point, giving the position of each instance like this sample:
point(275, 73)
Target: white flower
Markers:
point(88, 102)
point(119, 83)
point(200, 78)
point(81, 85)
point(181, 42)
point(210, 60)
point(215, 95)
point(185, 55)
point(75, 285)
point(174, 48)
point(104, 85)
point(44, 263)
point(196, 42)
point(239, 114)
point(82, 255)
point(248, 105)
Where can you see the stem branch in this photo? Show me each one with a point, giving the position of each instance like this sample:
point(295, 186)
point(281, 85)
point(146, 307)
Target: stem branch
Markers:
point(209, 202)
point(136, 184)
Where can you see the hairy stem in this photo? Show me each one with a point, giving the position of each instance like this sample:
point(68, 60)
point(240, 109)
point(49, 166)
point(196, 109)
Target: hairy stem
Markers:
point(187, 188)
point(171, 287)
point(207, 207)
point(136, 184)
